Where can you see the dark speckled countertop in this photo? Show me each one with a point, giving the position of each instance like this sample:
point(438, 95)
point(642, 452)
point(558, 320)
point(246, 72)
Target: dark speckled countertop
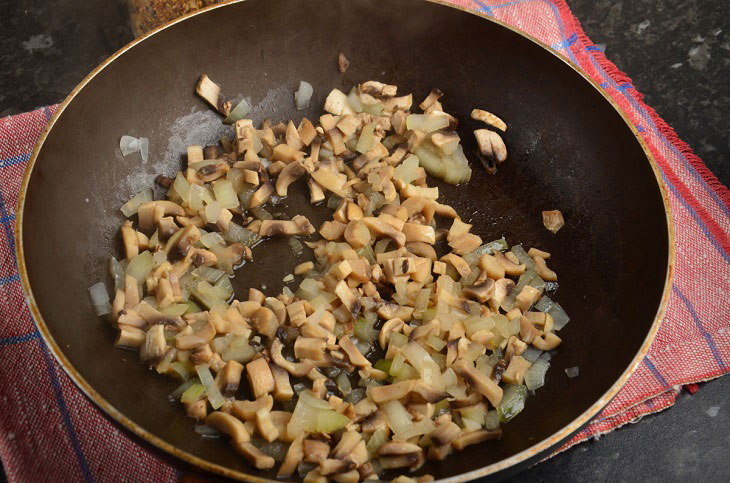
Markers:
point(677, 53)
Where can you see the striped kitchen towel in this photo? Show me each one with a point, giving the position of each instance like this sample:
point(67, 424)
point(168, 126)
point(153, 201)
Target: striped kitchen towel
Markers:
point(50, 430)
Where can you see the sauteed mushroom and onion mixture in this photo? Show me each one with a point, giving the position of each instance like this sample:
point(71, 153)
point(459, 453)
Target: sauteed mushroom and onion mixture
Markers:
point(407, 338)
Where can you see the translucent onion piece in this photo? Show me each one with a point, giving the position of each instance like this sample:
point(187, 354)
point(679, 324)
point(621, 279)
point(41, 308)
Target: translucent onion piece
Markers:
point(303, 95)
point(397, 416)
point(206, 431)
point(128, 145)
point(238, 234)
point(521, 254)
point(544, 304)
point(296, 246)
point(174, 396)
point(560, 317)
point(117, 273)
point(140, 266)
point(213, 238)
point(491, 421)
point(535, 375)
point(144, 148)
point(225, 194)
point(130, 207)
point(531, 354)
point(100, 299)
point(239, 112)
point(193, 393)
point(211, 388)
point(572, 371)
point(209, 274)
point(513, 402)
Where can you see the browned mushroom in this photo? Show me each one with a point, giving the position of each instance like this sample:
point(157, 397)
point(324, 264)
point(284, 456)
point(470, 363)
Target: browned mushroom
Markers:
point(229, 378)
point(445, 433)
point(553, 220)
point(299, 225)
point(259, 377)
point(488, 118)
point(292, 172)
point(491, 145)
point(483, 384)
point(480, 292)
point(475, 437)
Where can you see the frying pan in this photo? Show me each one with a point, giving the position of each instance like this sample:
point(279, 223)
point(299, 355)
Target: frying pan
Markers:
point(570, 148)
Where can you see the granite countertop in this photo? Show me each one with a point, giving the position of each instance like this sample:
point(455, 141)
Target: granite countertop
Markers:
point(677, 53)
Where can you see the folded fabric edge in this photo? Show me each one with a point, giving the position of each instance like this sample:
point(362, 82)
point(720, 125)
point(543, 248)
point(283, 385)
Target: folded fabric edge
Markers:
point(619, 76)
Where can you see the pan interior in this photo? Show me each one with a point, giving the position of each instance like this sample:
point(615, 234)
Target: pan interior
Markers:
point(568, 150)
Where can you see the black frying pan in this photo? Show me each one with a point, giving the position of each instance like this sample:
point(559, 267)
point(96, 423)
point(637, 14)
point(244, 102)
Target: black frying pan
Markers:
point(570, 149)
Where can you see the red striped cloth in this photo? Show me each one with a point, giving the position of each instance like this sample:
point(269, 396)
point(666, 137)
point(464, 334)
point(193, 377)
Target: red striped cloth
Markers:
point(47, 426)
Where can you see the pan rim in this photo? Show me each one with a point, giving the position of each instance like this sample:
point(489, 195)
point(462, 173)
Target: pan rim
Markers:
point(533, 451)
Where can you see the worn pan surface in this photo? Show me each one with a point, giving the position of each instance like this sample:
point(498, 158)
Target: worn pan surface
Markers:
point(570, 149)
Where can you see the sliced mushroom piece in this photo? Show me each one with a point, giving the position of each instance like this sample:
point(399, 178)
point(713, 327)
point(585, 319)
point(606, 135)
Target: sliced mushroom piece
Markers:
point(422, 249)
point(266, 322)
point(511, 268)
point(445, 433)
point(201, 355)
point(283, 390)
point(389, 311)
point(390, 392)
point(477, 379)
point(332, 467)
point(439, 453)
point(211, 92)
point(543, 271)
point(291, 172)
point(130, 337)
point(458, 263)
point(515, 372)
point(130, 240)
point(374, 422)
point(294, 455)
point(429, 394)
point(357, 234)
point(547, 342)
point(182, 242)
point(315, 451)
point(197, 410)
point(229, 425)
point(353, 353)
point(332, 230)
point(265, 425)
point(493, 268)
point(299, 225)
point(155, 345)
point(255, 456)
point(296, 369)
point(475, 437)
point(246, 410)
point(262, 195)
point(488, 118)
point(515, 347)
point(527, 296)
point(229, 378)
point(260, 377)
point(432, 97)
point(348, 441)
point(380, 228)
point(392, 325)
point(528, 332)
point(465, 243)
point(310, 348)
point(415, 232)
point(491, 145)
point(446, 142)
point(553, 220)
point(480, 292)
point(146, 212)
point(349, 300)
point(316, 194)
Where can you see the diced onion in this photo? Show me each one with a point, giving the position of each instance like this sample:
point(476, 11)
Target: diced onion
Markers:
point(130, 207)
point(128, 145)
point(398, 417)
point(211, 388)
point(100, 299)
point(572, 371)
point(531, 354)
point(144, 148)
point(238, 234)
point(535, 375)
point(206, 431)
point(544, 304)
point(213, 238)
point(513, 402)
point(175, 395)
point(560, 317)
point(140, 266)
point(239, 112)
point(522, 256)
point(117, 273)
point(193, 393)
point(296, 246)
point(225, 194)
point(303, 95)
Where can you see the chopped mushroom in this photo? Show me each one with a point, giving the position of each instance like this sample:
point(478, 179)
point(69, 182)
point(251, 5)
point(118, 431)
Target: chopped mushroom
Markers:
point(438, 301)
point(491, 145)
point(553, 220)
point(299, 225)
